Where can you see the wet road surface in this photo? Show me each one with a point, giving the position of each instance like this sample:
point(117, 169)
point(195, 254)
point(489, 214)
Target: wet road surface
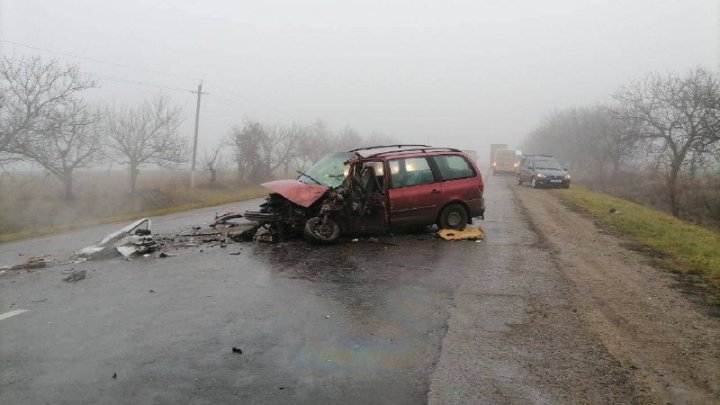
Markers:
point(421, 320)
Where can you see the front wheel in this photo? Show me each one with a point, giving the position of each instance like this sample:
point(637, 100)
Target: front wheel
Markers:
point(321, 231)
point(454, 216)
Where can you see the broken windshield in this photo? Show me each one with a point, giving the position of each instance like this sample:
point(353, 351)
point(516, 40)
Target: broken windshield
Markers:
point(329, 171)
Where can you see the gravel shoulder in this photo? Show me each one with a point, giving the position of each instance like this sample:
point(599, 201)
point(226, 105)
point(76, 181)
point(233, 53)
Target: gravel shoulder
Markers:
point(668, 346)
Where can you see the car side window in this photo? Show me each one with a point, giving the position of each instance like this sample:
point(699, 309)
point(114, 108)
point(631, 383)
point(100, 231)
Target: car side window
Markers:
point(453, 167)
point(410, 172)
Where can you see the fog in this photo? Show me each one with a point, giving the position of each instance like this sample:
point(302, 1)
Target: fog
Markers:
point(457, 73)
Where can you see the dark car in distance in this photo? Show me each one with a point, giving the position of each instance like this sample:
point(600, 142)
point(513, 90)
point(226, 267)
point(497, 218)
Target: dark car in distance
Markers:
point(542, 171)
point(374, 190)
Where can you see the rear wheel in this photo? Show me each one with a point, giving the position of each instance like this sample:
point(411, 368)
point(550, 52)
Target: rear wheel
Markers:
point(321, 231)
point(454, 216)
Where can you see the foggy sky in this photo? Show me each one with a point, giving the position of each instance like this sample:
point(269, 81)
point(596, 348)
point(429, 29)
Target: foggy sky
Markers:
point(452, 73)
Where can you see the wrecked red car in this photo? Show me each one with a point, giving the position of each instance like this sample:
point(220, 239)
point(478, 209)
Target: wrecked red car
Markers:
point(374, 190)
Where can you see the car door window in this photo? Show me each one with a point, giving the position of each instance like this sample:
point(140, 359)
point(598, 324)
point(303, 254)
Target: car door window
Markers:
point(410, 172)
point(453, 167)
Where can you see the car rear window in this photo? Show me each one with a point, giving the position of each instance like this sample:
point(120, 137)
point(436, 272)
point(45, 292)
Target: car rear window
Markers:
point(410, 172)
point(453, 167)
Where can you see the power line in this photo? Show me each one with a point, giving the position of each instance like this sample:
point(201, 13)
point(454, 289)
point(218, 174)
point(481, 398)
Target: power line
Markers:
point(251, 103)
point(272, 110)
point(237, 105)
point(139, 83)
point(122, 65)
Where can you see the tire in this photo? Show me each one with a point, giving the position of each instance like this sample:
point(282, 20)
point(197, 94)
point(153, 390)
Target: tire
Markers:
point(566, 187)
point(454, 216)
point(533, 183)
point(321, 232)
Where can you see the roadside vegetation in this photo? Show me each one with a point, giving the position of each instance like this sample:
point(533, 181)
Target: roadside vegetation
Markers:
point(31, 203)
point(657, 143)
point(671, 242)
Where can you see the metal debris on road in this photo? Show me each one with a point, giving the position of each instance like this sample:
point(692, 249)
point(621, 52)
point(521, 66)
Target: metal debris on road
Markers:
point(131, 240)
point(75, 276)
point(225, 218)
point(32, 262)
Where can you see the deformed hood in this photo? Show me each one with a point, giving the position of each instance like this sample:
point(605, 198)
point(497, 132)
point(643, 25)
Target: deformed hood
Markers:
point(300, 193)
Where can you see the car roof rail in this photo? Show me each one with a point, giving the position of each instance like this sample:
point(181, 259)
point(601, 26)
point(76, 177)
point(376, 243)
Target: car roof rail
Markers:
point(539, 155)
point(390, 146)
point(423, 150)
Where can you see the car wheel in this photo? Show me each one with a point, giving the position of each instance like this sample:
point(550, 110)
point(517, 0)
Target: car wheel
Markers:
point(321, 231)
point(454, 216)
point(566, 187)
point(533, 183)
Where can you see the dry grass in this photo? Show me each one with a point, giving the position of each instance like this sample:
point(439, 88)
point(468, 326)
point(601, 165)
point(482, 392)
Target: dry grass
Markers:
point(31, 204)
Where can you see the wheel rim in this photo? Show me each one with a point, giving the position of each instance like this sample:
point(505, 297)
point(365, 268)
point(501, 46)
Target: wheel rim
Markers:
point(323, 230)
point(454, 218)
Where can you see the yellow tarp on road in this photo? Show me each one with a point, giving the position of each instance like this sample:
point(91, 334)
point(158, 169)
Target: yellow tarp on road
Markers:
point(466, 234)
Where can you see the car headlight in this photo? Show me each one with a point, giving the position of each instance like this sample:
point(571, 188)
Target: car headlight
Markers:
point(567, 177)
point(540, 176)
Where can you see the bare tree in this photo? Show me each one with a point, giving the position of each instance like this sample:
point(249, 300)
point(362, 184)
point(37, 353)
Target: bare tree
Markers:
point(69, 140)
point(148, 134)
point(349, 139)
point(250, 145)
point(319, 142)
point(31, 90)
point(287, 142)
point(213, 162)
point(680, 115)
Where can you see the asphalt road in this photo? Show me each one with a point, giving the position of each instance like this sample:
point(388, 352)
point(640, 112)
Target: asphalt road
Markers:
point(419, 320)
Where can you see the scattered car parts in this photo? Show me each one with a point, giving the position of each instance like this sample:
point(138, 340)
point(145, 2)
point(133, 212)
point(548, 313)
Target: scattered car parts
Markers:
point(133, 239)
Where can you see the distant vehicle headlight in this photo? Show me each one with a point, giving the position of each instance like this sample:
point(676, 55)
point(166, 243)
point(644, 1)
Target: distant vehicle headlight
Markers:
point(567, 176)
point(540, 176)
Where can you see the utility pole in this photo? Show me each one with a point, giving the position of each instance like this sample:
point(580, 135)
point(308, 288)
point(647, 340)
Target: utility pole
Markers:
point(195, 138)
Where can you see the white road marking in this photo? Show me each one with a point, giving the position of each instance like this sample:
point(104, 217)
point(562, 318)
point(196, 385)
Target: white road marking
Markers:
point(10, 314)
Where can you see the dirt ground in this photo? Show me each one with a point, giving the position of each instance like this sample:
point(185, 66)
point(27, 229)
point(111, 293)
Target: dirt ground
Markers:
point(669, 344)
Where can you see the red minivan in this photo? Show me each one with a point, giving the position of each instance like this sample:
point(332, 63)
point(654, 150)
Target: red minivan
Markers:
point(374, 190)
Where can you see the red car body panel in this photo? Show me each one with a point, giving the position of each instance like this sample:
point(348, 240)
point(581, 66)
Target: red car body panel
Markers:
point(415, 205)
point(421, 204)
point(300, 193)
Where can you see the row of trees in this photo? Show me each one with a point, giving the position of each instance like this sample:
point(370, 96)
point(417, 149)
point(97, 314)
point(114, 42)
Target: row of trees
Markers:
point(664, 122)
point(260, 150)
point(44, 119)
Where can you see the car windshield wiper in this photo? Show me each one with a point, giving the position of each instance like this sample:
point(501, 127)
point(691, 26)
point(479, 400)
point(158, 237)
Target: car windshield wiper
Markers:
point(309, 177)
